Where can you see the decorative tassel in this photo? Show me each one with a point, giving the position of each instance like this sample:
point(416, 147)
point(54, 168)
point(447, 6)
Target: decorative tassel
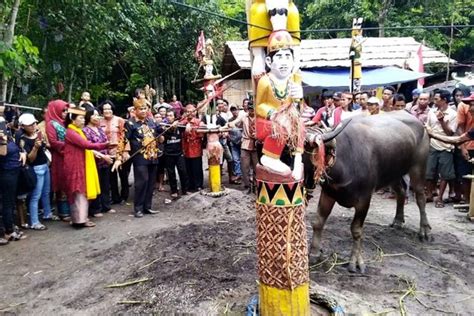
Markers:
point(319, 159)
point(286, 126)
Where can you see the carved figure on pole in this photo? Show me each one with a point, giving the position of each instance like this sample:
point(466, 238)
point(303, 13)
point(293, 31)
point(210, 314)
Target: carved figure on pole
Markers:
point(264, 17)
point(277, 107)
point(354, 55)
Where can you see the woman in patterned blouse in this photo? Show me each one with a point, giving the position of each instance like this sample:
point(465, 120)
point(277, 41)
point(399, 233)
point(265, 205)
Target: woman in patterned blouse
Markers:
point(95, 134)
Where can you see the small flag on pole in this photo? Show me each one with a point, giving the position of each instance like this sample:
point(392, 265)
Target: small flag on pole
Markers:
point(421, 68)
point(200, 47)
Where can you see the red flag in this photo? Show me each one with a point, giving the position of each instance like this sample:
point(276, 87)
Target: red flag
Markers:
point(421, 68)
point(200, 46)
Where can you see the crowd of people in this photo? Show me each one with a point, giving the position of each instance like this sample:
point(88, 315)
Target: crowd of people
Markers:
point(75, 164)
point(444, 113)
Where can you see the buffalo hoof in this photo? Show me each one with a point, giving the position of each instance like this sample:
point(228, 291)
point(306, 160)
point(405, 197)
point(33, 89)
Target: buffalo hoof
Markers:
point(398, 224)
point(425, 237)
point(315, 257)
point(352, 267)
point(424, 234)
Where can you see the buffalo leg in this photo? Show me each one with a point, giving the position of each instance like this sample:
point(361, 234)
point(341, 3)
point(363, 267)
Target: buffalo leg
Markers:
point(417, 181)
point(357, 228)
point(326, 203)
point(400, 195)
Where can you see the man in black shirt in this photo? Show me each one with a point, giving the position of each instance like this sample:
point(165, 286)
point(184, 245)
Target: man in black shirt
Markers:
point(173, 156)
point(140, 132)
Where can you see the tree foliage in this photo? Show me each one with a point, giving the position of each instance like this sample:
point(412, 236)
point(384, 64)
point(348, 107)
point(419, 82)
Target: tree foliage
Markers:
point(112, 47)
point(326, 14)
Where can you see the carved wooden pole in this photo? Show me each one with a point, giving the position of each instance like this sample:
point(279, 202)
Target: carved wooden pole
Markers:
point(354, 55)
point(281, 231)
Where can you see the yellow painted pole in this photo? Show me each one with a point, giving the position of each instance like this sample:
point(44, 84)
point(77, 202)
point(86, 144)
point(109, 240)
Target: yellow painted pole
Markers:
point(215, 150)
point(215, 177)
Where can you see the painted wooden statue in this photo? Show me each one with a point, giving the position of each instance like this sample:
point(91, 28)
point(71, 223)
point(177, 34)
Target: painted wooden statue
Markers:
point(355, 54)
point(264, 17)
point(281, 230)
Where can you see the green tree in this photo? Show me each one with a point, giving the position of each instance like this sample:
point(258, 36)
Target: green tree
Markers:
point(17, 53)
point(389, 13)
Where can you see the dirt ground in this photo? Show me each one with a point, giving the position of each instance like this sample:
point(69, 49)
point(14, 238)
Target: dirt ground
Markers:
point(198, 256)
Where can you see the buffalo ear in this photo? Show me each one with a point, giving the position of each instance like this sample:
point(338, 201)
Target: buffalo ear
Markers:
point(327, 137)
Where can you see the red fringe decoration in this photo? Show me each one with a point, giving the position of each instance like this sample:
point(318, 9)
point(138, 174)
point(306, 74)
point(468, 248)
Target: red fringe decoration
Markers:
point(319, 161)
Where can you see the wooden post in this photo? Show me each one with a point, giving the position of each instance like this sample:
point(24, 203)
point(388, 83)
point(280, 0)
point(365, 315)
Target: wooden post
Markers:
point(355, 54)
point(214, 149)
point(281, 245)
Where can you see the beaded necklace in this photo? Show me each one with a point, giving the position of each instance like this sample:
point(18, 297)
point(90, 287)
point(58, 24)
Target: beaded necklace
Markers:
point(280, 94)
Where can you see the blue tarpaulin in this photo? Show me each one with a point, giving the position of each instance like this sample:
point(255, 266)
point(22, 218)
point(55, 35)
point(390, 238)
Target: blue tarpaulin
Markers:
point(371, 78)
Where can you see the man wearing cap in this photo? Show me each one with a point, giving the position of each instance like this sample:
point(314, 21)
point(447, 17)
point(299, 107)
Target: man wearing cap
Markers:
point(161, 104)
point(373, 105)
point(278, 122)
point(140, 132)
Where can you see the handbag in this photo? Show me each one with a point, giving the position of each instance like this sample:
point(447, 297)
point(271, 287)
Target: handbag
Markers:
point(26, 180)
point(48, 156)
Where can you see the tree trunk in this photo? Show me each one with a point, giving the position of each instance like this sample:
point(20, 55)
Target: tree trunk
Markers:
point(71, 84)
point(157, 89)
point(12, 86)
point(450, 47)
point(8, 37)
point(386, 4)
point(381, 27)
point(179, 85)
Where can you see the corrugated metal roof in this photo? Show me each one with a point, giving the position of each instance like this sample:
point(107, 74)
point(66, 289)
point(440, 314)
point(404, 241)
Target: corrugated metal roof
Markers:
point(376, 52)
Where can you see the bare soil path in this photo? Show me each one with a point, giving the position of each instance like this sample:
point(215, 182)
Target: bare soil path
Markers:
point(198, 256)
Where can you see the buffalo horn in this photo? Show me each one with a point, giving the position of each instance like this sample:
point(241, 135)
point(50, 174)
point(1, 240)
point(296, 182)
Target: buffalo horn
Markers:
point(327, 137)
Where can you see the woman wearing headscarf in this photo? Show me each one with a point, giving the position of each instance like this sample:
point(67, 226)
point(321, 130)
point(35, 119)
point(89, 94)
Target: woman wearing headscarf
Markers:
point(56, 132)
point(81, 178)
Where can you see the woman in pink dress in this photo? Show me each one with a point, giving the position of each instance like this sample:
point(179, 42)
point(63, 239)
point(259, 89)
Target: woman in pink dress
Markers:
point(56, 133)
point(81, 178)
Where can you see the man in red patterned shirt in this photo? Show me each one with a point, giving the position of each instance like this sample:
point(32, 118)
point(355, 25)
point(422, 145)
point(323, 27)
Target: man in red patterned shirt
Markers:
point(192, 148)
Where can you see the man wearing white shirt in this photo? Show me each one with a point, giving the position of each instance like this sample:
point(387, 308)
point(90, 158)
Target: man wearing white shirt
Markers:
point(443, 121)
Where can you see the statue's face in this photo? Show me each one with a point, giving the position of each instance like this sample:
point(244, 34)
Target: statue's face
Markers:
point(281, 65)
point(210, 91)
